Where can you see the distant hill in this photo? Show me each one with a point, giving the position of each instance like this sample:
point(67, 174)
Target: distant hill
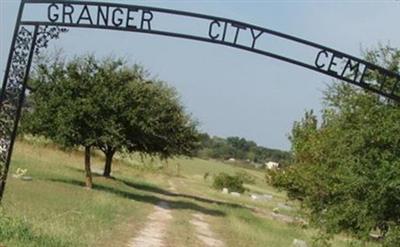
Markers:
point(239, 149)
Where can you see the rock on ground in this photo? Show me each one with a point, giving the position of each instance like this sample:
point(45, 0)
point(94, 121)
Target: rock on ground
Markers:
point(299, 243)
point(235, 194)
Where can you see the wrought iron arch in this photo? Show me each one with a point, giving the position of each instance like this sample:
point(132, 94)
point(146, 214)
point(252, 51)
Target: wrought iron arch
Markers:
point(32, 35)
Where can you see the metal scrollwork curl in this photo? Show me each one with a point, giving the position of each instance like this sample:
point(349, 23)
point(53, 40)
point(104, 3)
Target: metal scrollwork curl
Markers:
point(28, 40)
point(13, 91)
point(45, 34)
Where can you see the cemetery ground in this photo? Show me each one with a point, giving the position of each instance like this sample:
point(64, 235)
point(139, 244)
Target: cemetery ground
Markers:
point(169, 205)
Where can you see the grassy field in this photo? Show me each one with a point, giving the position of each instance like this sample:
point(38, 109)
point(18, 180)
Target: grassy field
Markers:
point(54, 209)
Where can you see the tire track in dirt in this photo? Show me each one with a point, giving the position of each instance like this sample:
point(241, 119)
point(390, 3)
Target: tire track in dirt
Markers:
point(153, 234)
point(204, 232)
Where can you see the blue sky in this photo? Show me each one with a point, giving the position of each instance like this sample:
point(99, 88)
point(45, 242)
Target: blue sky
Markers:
point(229, 91)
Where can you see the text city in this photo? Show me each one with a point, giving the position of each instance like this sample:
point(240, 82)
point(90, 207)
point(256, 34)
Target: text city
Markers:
point(222, 31)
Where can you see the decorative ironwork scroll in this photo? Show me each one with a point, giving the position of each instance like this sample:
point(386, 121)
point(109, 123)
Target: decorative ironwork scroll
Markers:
point(12, 94)
point(56, 16)
point(28, 40)
point(45, 34)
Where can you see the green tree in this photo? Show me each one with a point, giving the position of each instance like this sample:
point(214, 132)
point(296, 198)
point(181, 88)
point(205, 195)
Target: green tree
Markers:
point(58, 109)
point(238, 148)
point(347, 168)
point(108, 105)
point(232, 183)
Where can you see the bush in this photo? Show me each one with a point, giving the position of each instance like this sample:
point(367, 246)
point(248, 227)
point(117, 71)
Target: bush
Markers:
point(233, 183)
point(321, 240)
point(37, 140)
point(246, 177)
point(392, 238)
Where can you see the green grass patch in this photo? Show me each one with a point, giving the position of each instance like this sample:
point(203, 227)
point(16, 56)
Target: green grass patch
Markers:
point(54, 209)
point(18, 232)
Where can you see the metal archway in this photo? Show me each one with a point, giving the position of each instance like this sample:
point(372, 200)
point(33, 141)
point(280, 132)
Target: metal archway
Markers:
point(32, 35)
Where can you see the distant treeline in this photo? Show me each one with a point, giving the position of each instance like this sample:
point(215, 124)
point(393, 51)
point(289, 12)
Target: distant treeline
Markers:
point(239, 149)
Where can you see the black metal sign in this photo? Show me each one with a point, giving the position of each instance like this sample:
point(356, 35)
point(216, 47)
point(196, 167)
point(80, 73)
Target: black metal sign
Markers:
point(32, 34)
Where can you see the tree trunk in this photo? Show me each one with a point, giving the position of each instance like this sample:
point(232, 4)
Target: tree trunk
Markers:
point(107, 167)
point(88, 172)
point(2, 183)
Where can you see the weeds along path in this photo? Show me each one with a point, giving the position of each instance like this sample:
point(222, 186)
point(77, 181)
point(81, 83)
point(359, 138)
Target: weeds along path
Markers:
point(204, 233)
point(154, 233)
point(203, 230)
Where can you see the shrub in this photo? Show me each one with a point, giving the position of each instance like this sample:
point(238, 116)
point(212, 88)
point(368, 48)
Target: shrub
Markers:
point(346, 167)
point(392, 238)
point(233, 183)
point(37, 140)
point(246, 177)
point(322, 239)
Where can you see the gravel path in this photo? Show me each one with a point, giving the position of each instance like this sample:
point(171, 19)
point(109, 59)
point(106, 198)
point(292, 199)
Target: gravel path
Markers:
point(204, 233)
point(152, 235)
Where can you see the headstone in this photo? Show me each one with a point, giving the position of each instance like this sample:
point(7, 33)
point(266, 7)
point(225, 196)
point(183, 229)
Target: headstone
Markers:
point(257, 197)
point(285, 207)
point(299, 243)
point(26, 178)
point(235, 194)
point(225, 191)
point(254, 197)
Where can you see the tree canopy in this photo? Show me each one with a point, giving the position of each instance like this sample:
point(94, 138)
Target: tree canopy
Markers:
point(239, 148)
point(347, 167)
point(108, 105)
